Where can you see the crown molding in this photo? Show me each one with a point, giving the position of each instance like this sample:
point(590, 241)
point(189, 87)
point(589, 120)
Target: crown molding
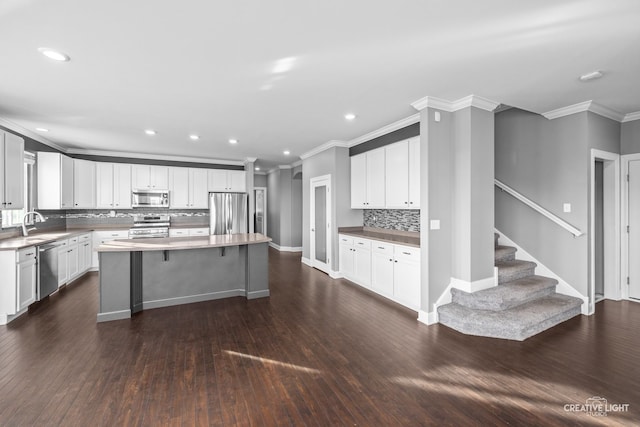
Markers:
point(475, 101)
point(606, 112)
point(250, 160)
point(296, 163)
point(407, 121)
point(323, 147)
point(30, 134)
point(154, 157)
point(585, 106)
point(451, 106)
point(285, 167)
point(629, 117)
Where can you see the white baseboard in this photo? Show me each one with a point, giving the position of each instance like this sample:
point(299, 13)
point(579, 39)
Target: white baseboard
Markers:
point(258, 294)
point(562, 288)
point(475, 286)
point(306, 261)
point(114, 315)
point(285, 248)
point(427, 318)
point(168, 302)
point(335, 274)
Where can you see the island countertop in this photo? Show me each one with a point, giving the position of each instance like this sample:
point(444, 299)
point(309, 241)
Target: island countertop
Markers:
point(179, 243)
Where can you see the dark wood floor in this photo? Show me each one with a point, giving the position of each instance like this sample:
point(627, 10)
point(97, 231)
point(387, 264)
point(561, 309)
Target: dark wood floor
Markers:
point(318, 352)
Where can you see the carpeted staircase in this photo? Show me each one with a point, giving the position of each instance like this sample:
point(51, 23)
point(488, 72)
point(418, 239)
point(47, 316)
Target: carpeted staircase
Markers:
point(521, 306)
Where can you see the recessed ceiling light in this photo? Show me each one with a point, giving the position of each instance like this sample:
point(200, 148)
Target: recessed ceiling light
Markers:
point(150, 132)
point(42, 129)
point(54, 54)
point(591, 76)
point(233, 141)
point(194, 137)
point(257, 168)
point(286, 152)
point(350, 116)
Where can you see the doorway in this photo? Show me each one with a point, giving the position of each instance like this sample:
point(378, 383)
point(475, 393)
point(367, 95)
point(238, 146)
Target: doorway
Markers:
point(320, 223)
point(260, 217)
point(632, 216)
point(604, 241)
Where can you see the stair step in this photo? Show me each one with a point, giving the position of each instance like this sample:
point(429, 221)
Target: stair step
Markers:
point(514, 270)
point(518, 323)
point(506, 296)
point(505, 253)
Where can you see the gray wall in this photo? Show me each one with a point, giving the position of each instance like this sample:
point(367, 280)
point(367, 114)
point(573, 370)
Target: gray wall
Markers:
point(630, 138)
point(260, 180)
point(273, 206)
point(549, 162)
point(296, 211)
point(284, 207)
point(335, 162)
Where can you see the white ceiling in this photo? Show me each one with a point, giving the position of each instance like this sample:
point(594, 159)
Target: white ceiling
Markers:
point(207, 67)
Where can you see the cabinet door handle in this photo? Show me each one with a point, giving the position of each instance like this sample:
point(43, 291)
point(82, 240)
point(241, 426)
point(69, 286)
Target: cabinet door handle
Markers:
point(380, 247)
point(407, 253)
point(30, 254)
point(390, 259)
point(396, 261)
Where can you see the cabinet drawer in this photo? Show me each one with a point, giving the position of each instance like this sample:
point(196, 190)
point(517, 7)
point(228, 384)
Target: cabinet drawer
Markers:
point(178, 232)
point(345, 240)
point(84, 238)
point(407, 253)
point(62, 243)
point(73, 240)
point(199, 232)
point(361, 243)
point(26, 254)
point(382, 247)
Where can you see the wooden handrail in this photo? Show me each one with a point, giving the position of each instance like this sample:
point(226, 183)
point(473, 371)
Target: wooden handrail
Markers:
point(536, 207)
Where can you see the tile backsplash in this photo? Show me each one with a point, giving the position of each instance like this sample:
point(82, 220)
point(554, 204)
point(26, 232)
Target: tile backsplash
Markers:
point(392, 219)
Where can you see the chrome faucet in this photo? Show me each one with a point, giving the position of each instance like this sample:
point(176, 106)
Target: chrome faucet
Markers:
point(25, 231)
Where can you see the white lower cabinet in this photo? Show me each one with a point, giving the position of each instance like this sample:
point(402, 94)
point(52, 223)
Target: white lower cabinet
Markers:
point(388, 269)
point(63, 262)
point(105, 236)
point(184, 232)
point(362, 261)
point(26, 278)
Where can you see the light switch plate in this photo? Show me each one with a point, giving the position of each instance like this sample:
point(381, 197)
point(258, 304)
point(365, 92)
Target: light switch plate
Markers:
point(566, 207)
point(437, 116)
point(434, 224)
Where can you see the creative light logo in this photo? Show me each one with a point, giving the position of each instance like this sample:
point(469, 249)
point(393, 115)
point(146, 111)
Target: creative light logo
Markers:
point(597, 406)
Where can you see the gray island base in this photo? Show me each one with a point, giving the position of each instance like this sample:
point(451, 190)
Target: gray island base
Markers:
point(142, 274)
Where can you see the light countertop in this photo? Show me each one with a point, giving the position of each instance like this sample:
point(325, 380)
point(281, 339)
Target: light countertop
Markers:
point(179, 243)
point(407, 238)
point(16, 243)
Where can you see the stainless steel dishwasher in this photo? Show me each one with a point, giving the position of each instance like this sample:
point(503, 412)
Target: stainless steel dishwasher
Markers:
point(47, 269)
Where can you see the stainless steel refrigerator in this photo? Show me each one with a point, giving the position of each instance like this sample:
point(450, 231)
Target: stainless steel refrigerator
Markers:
point(228, 213)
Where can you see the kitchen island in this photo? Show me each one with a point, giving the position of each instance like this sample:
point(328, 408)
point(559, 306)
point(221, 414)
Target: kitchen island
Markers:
point(138, 274)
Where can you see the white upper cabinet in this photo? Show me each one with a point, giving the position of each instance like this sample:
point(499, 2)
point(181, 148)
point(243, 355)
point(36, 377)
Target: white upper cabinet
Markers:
point(414, 173)
point(113, 185)
point(188, 188)
point(227, 180)
point(367, 180)
point(145, 177)
point(55, 181)
point(84, 184)
point(397, 175)
point(402, 178)
point(199, 188)
point(11, 171)
point(179, 188)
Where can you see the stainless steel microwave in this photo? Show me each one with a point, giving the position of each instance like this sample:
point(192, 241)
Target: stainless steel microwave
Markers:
point(150, 198)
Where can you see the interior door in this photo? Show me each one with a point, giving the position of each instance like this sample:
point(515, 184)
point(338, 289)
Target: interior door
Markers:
point(634, 228)
point(320, 232)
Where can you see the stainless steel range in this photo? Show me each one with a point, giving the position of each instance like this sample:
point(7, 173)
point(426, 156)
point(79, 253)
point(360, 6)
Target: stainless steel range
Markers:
point(145, 226)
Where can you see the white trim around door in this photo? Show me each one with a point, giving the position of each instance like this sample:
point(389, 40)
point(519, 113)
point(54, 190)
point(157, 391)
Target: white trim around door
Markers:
point(317, 182)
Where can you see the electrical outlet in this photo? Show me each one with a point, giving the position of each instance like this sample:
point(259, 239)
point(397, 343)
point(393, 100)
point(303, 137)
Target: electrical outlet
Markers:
point(566, 208)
